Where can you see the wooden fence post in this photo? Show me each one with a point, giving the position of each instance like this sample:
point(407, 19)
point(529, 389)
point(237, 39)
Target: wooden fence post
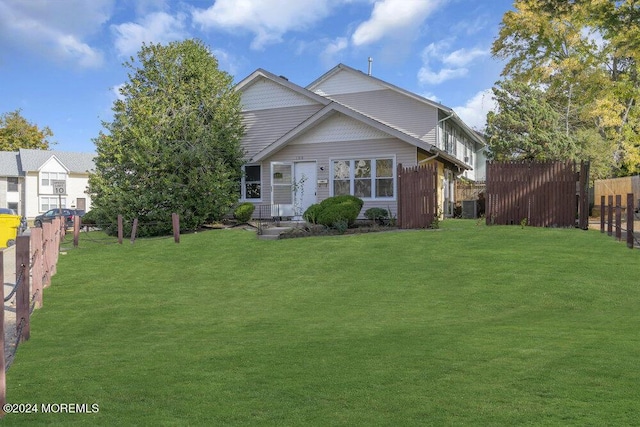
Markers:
point(134, 230)
point(76, 230)
point(602, 214)
point(23, 288)
point(3, 366)
point(610, 217)
point(175, 220)
point(619, 217)
point(36, 268)
point(120, 229)
point(400, 202)
point(630, 236)
point(55, 247)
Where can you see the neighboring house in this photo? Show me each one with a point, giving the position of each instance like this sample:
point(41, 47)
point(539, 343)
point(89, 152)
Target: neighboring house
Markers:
point(345, 134)
point(27, 180)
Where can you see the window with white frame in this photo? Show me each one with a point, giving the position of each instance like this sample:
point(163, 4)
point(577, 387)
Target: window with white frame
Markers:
point(12, 184)
point(364, 178)
point(47, 177)
point(251, 182)
point(47, 203)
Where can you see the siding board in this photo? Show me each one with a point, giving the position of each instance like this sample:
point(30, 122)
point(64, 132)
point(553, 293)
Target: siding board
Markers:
point(266, 94)
point(263, 127)
point(395, 110)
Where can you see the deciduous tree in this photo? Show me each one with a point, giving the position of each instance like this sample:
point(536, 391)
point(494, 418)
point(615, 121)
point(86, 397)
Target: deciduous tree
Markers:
point(16, 132)
point(586, 54)
point(174, 142)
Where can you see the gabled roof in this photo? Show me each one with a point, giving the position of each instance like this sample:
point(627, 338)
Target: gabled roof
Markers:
point(446, 110)
point(335, 108)
point(9, 164)
point(33, 160)
point(254, 77)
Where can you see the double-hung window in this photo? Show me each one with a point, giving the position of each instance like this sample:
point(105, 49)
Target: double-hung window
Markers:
point(364, 178)
point(46, 178)
point(251, 182)
point(12, 184)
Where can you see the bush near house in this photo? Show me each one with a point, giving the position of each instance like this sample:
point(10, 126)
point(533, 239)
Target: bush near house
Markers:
point(243, 212)
point(335, 210)
point(376, 214)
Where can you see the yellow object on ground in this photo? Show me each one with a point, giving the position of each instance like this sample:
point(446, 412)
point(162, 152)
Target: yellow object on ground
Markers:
point(9, 225)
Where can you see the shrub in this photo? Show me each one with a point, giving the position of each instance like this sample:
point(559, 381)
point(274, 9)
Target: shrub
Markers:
point(243, 212)
point(335, 209)
point(311, 214)
point(90, 218)
point(376, 214)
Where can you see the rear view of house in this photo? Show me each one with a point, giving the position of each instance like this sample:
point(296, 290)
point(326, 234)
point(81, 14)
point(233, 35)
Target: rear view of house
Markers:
point(346, 133)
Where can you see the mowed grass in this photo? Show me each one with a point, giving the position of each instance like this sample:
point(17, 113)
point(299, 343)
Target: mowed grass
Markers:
point(467, 325)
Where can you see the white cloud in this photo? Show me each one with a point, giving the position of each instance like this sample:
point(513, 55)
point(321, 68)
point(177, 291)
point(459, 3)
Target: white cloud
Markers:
point(431, 96)
point(474, 111)
point(453, 64)
point(462, 57)
point(333, 49)
point(226, 61)
point(158, 27)
point(48, 29)
point(267, 20)
point(393, 17)
point(425, 75)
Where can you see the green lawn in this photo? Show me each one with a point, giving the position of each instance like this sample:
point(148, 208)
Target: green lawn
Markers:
point(466, 325)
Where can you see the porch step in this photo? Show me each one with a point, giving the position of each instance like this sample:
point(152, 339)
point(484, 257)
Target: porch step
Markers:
point(273, 233)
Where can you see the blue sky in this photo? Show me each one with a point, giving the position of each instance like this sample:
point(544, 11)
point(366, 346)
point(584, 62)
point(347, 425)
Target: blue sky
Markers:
point(61, 60)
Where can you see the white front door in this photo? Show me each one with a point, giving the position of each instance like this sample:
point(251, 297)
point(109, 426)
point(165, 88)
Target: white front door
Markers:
point(304, 187)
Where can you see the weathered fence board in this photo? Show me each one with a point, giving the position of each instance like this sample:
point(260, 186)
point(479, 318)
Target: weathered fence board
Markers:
point(541, 194)
point(417, 196)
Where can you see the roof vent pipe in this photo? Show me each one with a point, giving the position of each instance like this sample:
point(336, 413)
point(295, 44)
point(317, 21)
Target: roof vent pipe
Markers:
point(370, 62)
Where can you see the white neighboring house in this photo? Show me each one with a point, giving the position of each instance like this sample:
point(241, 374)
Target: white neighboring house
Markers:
point(26, 180)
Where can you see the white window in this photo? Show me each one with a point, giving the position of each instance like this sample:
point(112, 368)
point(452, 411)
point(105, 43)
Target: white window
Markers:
point(47, 203)
point(252, 182)
point(363, 178)
point(47, 177)
point(12, 184)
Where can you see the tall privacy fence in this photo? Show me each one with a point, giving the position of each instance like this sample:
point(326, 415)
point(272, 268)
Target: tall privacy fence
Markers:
point(613, 212)
point(541, 194)
point(417, 196)
point(36, 257)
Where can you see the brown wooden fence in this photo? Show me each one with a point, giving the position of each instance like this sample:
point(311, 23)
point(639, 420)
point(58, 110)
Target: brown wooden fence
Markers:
point(36, 257)
point(541, 194)
point(417, 196)
point(613, 214)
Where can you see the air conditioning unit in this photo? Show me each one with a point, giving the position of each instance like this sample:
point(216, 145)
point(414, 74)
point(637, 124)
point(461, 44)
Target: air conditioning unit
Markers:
point(469, 209)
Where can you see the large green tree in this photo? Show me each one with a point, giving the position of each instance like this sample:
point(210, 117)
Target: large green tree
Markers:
point(16, 132)
point(174, 142)
point(585, 54)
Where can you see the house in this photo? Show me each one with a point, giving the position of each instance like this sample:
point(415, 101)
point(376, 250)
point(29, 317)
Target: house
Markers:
point(34, 181)
point(346, 133)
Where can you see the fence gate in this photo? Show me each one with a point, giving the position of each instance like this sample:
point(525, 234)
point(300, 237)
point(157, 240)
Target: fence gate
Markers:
point(417, 196)
point(544, 194)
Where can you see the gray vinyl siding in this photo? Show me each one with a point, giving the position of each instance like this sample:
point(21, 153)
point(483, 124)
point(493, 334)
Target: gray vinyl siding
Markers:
point(262, 127)
point(396, 110)
point(324, 153)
